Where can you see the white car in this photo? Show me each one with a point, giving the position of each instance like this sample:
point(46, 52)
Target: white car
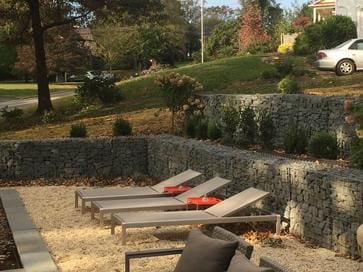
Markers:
point(343, 59)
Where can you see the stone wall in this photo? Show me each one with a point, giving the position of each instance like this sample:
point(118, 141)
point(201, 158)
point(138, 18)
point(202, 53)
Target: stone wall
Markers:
point(318, 202)
point(73, 157)
point(313, 113)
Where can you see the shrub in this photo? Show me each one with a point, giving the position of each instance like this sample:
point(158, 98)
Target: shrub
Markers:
point(202, 129)
point(247, 126)
point(176, 89)
point(214, 131)
point(100, 88)
point(326, 34)
point(122, 127)
point(284, 48)
point(191, 125)
point(358, 113)
point(230, 118)
point(266, 129)
point(50, 116)
point(356, 154)
point(288, 85)
point(323, 145)
point(270, 74)
point(295, 140)
point(284, 67)
point(337, 29)
point(10, 114)
point(78, 130)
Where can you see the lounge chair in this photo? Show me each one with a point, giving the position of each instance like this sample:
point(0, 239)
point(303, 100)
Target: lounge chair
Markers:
point(217, 214)
point(132, 192)
point(156, 203)
point(243, 247)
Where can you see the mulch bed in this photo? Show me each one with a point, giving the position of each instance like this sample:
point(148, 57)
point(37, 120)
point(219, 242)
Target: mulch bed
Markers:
point(9, 258)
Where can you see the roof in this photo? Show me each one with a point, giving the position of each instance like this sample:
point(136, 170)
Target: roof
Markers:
point(322, 3)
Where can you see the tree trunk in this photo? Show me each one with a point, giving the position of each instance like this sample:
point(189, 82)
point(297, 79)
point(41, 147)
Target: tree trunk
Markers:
point(44, 102)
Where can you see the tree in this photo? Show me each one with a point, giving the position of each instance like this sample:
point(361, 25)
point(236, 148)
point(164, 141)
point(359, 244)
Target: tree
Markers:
point(252, 33)
point(69, 55)
point(43, 15)
point(223, 40)
point(7, 55)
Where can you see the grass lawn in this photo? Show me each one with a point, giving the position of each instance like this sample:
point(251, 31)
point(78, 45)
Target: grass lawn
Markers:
point(11, 90)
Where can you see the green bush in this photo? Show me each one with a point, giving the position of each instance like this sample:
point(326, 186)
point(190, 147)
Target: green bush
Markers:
point(338, 29)
point(122, 127)
point(78, 130)
point(266, 129)
point(11, 114)
point(191, 125)
point(295, 140)
point(326, 34)
point(358, 113)
point(356, 154)
point(247, 127)
point(289, 85)
point(323, 145)
point(214, 131)
point(284, 67)
point(100, 88)
point(202, 129)
point(230, 118)
point(270, 74)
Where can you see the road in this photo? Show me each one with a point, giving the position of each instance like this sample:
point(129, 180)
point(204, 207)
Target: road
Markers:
point(29, 101)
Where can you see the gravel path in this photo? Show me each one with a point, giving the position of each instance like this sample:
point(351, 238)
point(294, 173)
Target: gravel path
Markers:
point(79, 244)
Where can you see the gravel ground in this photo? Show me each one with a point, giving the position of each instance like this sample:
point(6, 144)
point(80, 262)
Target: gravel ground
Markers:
point(79, 244)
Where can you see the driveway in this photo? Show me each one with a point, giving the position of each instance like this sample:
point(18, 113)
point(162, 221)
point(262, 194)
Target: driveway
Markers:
point(29, 101)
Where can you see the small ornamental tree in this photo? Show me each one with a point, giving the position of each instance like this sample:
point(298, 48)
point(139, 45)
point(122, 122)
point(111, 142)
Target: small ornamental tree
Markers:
point(175, 90)
point(252, 33)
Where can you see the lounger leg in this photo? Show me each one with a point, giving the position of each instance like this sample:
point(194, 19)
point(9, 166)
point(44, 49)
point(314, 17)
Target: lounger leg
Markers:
point(113, 225)
point(101, 218)
point(92, 211)
point(278, 224)
point(83, 209)
point(123, 235)
point(75, 200)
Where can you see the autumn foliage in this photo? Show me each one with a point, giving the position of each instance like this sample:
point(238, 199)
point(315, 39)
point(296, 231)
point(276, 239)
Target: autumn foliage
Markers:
point(252, 34)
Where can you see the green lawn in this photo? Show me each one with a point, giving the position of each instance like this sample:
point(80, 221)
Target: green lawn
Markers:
point(229, 75)
point(16, 90)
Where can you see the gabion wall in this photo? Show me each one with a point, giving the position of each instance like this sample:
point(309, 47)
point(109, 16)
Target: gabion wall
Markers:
point(320, 202)
point(313, 113)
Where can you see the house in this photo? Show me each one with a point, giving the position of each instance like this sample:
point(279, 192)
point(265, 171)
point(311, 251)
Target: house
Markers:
point(352, 8)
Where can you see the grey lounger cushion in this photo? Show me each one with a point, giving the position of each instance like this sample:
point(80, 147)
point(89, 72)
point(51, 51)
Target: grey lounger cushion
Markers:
point(205, 254)
point(240, 263)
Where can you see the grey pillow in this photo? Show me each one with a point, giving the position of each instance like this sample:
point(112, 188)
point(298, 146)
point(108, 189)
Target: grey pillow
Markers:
point(205, 254)
point(240, 263)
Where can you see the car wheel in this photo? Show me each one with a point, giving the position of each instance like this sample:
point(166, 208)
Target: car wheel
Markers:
point(345, 67)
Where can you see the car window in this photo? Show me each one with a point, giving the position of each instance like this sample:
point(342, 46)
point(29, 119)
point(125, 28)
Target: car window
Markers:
point(358, 45)
point(342, 44)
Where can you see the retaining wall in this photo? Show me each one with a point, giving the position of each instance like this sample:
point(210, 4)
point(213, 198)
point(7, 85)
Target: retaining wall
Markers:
point(318, 201)
point(73, 157)
point(313, 113)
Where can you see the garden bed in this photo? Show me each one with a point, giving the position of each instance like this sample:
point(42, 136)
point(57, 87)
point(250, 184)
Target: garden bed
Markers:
point(9, 258)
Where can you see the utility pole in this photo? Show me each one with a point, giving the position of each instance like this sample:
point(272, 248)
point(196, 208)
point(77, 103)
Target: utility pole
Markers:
point(202, 28)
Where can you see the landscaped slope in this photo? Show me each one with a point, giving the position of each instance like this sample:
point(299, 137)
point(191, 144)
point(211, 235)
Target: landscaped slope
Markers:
point(220, 76)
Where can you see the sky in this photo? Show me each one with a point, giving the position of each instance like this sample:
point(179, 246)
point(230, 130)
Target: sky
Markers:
point(235, 3)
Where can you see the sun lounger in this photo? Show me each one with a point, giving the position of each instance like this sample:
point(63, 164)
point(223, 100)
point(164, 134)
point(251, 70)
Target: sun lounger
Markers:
point(156, 203)
point(132, 192)
point(217, 214)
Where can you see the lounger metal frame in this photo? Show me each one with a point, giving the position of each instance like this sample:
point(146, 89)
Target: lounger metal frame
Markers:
point(154, 191)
